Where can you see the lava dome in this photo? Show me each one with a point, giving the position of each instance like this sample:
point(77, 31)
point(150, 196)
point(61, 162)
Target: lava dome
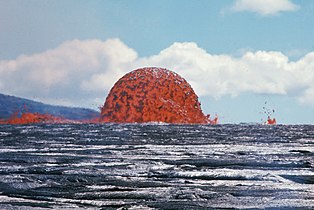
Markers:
point(152, 95)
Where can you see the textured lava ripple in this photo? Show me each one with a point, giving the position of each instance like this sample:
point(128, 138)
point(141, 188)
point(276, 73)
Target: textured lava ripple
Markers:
point(152, 95)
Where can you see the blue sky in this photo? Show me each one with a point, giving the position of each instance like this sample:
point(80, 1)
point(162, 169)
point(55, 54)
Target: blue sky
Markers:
point(237, 54)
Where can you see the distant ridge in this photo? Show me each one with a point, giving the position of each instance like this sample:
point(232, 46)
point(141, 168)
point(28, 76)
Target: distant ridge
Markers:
point(11, 104)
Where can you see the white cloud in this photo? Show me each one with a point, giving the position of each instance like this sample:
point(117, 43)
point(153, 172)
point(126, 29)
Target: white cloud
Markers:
point(67, 72)
point(81, 73)
point(265, 7)
point(257, 72)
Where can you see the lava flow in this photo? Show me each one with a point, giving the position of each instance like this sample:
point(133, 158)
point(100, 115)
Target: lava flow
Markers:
point(29, 118)
point(153, 95)
point(34, 118)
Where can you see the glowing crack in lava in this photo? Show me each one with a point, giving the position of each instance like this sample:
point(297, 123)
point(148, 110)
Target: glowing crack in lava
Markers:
point(153, 95)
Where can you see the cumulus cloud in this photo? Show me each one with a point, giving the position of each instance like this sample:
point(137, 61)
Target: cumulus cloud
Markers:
point(264, 7)
point(72, 73)
point(81, 73)
point(259, 72)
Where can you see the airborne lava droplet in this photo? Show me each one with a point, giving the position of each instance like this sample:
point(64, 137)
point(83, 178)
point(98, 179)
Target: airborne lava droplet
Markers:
point(152, 95)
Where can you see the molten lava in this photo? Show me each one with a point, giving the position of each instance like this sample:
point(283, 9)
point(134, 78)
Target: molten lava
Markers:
point(153, 95)
point(34, 118)
point(30, 118)
point(271, 121)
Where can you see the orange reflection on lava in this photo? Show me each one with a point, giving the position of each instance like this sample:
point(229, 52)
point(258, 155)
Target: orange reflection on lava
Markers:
point(33, 118)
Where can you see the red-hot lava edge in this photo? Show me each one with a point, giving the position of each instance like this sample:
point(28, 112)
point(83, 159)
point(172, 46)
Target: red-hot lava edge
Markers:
point(143, 95)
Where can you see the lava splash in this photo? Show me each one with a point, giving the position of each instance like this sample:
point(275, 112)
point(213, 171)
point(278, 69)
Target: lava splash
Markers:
point(271, 121)
point(153, 95)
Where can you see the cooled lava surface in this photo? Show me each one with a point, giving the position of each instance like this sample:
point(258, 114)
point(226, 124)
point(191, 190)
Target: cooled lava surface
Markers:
point(153, 95)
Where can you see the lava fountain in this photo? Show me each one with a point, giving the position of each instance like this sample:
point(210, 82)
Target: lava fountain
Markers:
point(153, 95)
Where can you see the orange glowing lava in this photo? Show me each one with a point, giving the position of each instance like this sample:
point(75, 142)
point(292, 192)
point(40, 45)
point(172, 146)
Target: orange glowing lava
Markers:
point(30, 118)
point(153, 95)
point(271, 121)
